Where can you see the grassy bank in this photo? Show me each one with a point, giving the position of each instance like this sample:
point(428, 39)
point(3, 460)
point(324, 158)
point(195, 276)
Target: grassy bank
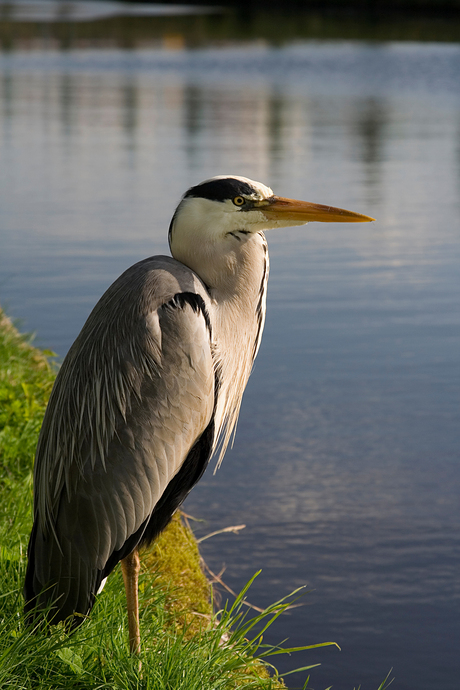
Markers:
point(182, 637)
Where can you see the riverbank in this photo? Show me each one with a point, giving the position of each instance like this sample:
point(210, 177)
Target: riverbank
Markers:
point(182, 636)
point(38, 27)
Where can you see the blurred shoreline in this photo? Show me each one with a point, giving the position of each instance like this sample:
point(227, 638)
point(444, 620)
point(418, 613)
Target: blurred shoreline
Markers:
point(62, 25)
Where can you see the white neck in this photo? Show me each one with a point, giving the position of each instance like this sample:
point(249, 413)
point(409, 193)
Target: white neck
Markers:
point(234, 267)
point(238, 316)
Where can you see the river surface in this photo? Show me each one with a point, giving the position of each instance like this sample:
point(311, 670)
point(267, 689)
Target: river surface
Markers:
point(346, 467)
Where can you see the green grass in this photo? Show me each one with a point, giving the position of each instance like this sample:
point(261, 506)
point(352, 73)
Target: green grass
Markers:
point(185, 644)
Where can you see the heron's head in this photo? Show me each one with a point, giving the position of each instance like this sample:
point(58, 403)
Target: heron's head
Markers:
point(216, 218)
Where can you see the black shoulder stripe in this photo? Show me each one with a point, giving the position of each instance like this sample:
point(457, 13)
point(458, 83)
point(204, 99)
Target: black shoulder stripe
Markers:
point(192, 299)
point(180, 300)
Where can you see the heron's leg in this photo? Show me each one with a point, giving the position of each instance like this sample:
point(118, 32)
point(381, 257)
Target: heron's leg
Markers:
point(130, 567)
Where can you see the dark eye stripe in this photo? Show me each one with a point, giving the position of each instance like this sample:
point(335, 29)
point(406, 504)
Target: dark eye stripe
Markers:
point(220, 190)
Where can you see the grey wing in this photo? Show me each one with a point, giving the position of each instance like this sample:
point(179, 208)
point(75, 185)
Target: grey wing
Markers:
point(132, 403)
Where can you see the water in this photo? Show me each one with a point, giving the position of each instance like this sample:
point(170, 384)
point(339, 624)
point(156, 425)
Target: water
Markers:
point(345, 467)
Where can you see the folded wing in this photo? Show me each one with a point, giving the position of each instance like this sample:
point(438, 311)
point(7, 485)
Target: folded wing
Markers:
point(128, 431)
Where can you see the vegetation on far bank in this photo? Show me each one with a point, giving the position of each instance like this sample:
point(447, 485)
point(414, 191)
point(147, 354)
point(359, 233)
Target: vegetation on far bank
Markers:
point(236, 22)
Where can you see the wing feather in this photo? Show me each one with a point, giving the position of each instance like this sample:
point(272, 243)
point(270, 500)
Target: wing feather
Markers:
point(134, 394)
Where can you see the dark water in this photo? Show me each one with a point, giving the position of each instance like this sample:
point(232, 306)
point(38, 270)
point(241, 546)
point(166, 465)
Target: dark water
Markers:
point(345, 467)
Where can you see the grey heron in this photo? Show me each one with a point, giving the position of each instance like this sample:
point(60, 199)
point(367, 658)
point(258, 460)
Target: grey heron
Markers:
point(150, 389)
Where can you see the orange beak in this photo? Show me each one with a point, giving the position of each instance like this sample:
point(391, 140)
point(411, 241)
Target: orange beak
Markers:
point(279, 208)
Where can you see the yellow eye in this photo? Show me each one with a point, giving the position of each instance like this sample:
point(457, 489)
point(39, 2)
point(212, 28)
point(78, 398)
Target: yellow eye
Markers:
point(239, 201)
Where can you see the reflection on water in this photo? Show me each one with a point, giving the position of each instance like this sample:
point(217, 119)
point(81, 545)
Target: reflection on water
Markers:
point(345, 467)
